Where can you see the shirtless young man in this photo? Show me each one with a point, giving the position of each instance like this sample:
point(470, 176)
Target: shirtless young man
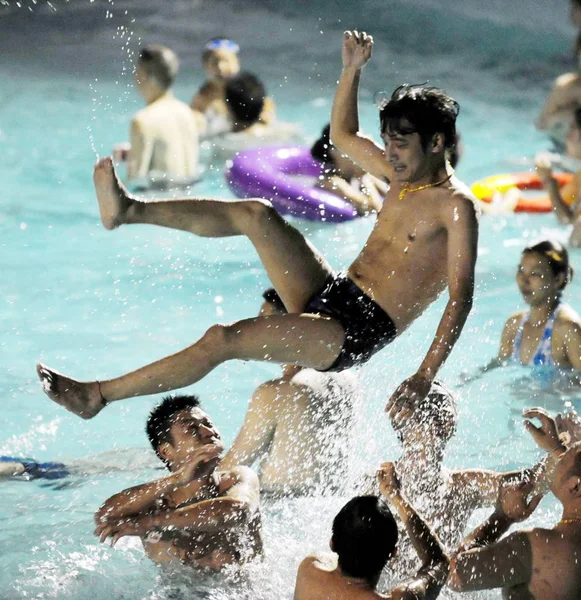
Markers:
point(297, 427)
point(424, 239)
point(198, 514)
point(446, 498)
point(539, 563)
point(164, 145)
point(364, 539)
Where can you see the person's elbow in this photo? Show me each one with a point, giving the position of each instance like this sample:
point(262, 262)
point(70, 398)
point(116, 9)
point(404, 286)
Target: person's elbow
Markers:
point(455, 581)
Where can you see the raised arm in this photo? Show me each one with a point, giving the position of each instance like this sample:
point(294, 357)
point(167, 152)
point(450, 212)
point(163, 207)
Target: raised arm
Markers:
point(562, 210)
point(435, 565)
point(258, 428)
point(345, 134)
point(484, 563)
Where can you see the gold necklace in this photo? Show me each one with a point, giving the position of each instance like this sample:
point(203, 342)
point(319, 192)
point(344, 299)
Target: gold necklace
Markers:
point(571, 520)
point(406, 188)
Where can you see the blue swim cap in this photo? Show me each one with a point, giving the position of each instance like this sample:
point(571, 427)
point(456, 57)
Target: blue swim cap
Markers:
point(222, 44)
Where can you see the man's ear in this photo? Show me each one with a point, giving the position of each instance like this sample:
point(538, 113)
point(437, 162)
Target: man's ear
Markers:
point(438, 143)
point(165, 450)
point(574, 486)
point(332, 545)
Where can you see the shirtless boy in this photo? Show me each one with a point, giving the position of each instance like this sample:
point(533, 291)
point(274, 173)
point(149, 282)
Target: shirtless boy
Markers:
point(164, 147)
point(447, 499)
point(424, 239)
point(220, 61)
point(297, 427)
point(197, 515)
point(364, 539)
point(539, 563)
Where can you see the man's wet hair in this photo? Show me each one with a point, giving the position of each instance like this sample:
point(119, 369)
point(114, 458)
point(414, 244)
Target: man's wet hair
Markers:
point(423, 110)
point(271, 295)
point(321, 149)
point(245, 95)
point(557, 257)
point(364, 537)
point(161, 63)
point(161, 418)
point(437, 412)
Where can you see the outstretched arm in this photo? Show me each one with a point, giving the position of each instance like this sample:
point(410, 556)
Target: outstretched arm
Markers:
point(345, 134)
point(564, 212)
point(435, 565)
point(462, 226)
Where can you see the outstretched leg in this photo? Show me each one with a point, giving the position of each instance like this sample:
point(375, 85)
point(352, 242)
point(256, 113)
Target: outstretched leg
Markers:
point(304, 340)
point(293, 265)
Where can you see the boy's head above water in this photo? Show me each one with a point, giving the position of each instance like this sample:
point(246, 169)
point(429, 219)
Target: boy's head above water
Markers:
point(364, 537)
point(244, 95)
point(432, 424)
point(220, 59)
point(157, 65)
point(178, 429)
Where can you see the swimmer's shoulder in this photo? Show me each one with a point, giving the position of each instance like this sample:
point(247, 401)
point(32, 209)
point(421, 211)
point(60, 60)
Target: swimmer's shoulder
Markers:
point(460, 202)
point(324, 562)
point(567, 79)
point(513, 322)
point(567, 320)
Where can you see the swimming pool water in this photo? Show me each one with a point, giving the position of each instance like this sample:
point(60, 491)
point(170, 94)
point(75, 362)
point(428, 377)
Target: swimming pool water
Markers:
point(94, 303)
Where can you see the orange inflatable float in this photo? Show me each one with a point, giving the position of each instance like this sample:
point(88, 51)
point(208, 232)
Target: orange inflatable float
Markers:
point(484, 189)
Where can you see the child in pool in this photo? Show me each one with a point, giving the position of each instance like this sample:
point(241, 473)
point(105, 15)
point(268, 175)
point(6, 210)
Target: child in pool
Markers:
point(565, 200)
point(341, 176)
point(220, 61)
point(549, 333)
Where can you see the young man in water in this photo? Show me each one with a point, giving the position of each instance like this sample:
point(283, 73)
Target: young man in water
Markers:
point(447, 499)
point(424, 239)
point(365, 537)
point(539, 563)
point(297, 427)
point(198, 514)
point(164, 147)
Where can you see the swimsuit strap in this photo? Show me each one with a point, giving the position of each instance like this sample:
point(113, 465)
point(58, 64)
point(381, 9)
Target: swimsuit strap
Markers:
point(543, 354)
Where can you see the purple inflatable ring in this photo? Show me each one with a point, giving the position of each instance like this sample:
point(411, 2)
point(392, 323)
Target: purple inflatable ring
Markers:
point(268, 173)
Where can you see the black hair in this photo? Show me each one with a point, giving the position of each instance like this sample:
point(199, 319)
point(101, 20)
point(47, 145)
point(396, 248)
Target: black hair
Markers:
point(364, 537)
point(423, 110)
point(557, 257)
point(245, 95)
point(271, 295)
point(161, 63)
point(161, 417)
point(321, 149)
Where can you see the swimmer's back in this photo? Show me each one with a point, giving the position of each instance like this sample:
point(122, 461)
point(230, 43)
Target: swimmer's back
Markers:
point(168, 132)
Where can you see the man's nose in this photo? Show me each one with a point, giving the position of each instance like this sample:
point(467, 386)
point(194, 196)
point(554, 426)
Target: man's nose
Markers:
point(206, 431)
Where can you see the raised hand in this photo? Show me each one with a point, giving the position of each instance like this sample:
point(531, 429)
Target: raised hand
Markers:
point(201, 463)
point(389, 484)
point(407, 396)
point(513, 500)
point(357, 49)
point(547, 435)
point(543, 166)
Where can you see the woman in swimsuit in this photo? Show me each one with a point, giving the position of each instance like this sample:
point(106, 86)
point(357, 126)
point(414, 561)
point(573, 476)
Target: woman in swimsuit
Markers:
point(549, 333)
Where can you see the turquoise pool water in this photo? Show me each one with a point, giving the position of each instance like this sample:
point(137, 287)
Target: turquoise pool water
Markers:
point(94, 303)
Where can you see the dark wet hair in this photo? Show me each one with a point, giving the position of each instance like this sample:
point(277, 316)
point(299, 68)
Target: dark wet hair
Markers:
point(161, 417)
point(161, 63)
point(245, 95)
point(364, 537)
point(321, 149)
point(271, 295)
point(423, 110)
point(557, 256)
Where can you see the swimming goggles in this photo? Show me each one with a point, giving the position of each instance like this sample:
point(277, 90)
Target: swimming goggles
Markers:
point(222, 44)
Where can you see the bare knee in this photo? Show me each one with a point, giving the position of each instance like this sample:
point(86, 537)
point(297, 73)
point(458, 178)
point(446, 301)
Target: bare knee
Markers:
point(255, 214)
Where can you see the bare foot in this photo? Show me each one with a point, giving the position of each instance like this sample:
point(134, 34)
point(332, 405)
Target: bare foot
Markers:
point(82, 399)
point(114, 199)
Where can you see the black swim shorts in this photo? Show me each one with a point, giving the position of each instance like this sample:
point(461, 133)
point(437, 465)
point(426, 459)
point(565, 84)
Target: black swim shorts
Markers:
point(368, 328)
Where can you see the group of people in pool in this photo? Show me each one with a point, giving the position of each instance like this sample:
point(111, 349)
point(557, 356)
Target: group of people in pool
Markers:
point(319, 324)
